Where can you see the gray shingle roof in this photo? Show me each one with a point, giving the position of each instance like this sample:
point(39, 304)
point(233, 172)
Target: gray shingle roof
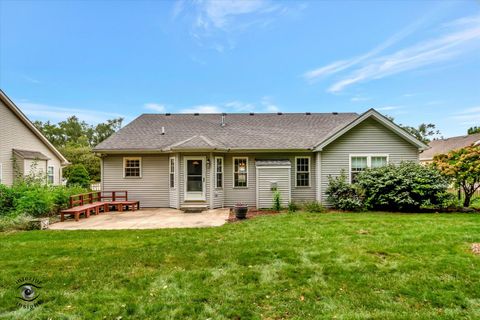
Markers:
point(242, 131)
point(31, 155)
point(442, 146)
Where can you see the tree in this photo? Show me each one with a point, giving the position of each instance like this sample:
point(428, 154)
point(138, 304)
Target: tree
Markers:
point(463, 166)
point(75, 140)
point(77, 175)
point(473, 130)
point(423, 132)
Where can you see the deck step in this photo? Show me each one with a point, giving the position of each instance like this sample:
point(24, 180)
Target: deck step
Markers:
point(193, 206)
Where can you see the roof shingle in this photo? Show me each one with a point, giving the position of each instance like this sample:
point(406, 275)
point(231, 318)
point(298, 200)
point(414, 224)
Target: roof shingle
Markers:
point(442, 146)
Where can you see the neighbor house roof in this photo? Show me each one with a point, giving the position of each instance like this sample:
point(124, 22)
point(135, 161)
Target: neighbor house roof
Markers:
point(263, 131)
point(442, 146)
point(32, 155)
point(9, 103)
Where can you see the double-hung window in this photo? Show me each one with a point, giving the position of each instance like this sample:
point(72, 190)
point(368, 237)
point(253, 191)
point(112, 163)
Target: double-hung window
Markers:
point(132, 167)
point(240, 172)
point(50, 174)
point(358, 163)
point(171, 172)
point(218, 172)
point(302, 167)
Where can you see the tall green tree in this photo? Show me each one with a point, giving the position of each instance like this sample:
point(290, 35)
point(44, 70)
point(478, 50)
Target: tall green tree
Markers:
point(423, 132)
point(473, 130)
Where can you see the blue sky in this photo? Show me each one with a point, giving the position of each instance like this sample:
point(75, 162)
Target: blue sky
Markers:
point(417, 61)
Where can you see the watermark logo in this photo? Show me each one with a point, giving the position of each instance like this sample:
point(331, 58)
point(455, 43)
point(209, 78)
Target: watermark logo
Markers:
point(28, 292)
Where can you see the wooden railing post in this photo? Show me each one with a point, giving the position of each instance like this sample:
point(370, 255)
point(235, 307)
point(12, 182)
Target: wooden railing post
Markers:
point(126, 195)
point(113, 195)
point(71, 201)
point(90, 198)
point(81, 199)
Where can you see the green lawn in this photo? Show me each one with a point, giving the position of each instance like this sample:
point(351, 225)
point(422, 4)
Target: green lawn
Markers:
point(291, 266)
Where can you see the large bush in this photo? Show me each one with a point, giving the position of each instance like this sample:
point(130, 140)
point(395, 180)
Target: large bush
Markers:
point(343, 195)
point(77, 175)
point(405, 187)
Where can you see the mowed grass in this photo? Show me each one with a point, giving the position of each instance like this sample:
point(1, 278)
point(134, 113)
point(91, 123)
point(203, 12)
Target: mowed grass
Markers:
point(290, 266)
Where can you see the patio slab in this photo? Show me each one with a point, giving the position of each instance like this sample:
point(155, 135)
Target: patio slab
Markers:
point(146, 219)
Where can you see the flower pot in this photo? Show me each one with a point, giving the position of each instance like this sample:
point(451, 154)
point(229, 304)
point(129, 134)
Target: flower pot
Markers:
point(241, 212)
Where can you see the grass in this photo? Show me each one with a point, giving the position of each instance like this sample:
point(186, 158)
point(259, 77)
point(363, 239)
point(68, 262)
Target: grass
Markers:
point(290, 266)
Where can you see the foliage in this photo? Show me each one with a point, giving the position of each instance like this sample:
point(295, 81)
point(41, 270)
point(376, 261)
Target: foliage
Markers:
point(475, 203)
point(36, 202)
point(7, 199)
point(293, 206)
point(473, 130)
point(405, 187)
point(75, 140)
point(423, 132)
point(14, 222)
point(463, 166)
point(77, 175)
point(343, 195)
point(314, 207)
point(277, 201)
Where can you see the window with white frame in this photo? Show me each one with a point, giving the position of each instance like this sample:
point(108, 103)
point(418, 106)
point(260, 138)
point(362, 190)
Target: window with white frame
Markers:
point(132, 167)
point(50, 174)
point(218, 172)
point(302, 167)
point(172, 172)
point(240, 172)
point(358, 163)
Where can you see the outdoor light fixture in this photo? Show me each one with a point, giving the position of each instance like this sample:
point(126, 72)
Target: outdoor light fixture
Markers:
point(208, 163)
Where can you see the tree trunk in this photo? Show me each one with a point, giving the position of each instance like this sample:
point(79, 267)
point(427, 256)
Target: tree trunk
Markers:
point(466, 201)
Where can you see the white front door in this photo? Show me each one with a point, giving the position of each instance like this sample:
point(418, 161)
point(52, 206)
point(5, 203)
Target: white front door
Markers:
point(194, 178)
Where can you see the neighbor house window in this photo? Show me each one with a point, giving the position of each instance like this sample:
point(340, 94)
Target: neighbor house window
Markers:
point(302, 167)
point(132, 167)
point(218, 172)
point(172, 172)
point(240, 172)
point(50, 174)
point(358, 163)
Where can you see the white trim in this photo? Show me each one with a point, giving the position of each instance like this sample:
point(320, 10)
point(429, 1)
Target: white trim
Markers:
point(125, 162)
point(309, 171)
point(177, 175)
point(318, 175)
point(372, 113)
point(233, 173)
point(170, 172)
point(223, 172)
point(185, 176)
point(369, 160)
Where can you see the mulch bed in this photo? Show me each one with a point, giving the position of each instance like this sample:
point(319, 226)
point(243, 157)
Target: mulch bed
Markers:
point(252, 213)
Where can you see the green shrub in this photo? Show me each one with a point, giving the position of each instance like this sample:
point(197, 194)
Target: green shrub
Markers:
point(313, 206)
point(475, 203)
point(293, 206)
point(78, 176)
point(36, 202)
point(14, 222)
point(277, 201)
point(61, 196)
point(7, 198)
point(343, 195)
point(405, 187)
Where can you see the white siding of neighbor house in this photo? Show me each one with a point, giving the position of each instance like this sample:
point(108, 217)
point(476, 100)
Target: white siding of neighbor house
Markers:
point(266, 175)
point(14, 134)
point(369, 137)
point(151, 189)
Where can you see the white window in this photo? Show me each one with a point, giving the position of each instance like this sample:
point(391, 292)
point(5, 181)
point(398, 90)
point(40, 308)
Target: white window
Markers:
point(302, 170)
point(360, 162)
point(172, 172)
point(218, 172)
point(50, 174)
point(132, 167)
point(240, 172)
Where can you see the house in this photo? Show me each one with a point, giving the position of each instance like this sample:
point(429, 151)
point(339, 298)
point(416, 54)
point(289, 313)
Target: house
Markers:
point(219, 160)
point(443, 146)
point(23, 148)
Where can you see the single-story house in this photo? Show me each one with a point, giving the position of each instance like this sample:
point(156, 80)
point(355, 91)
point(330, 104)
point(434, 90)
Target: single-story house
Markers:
point(24, 149)
point(219, 160)
point(443, 146)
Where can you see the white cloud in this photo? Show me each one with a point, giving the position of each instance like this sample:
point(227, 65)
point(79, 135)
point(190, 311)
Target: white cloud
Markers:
point(240, 106)
point(202, 109)
point(370, 65)
point(469, 116)
point(38, 111)
point(359, 99)
point(155, 107)
point(269, 105)
point(388, 108)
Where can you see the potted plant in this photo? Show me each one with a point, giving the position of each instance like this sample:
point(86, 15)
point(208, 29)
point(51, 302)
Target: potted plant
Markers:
point(241, 210)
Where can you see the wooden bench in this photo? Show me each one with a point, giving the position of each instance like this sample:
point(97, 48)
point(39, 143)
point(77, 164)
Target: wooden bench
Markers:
point(93, 202)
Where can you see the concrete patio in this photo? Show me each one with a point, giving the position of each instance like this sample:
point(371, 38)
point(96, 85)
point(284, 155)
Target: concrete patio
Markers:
point(146, 219)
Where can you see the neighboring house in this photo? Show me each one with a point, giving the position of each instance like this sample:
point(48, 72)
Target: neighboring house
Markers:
point(23, 149)
point(215, 160)
point(443, 146)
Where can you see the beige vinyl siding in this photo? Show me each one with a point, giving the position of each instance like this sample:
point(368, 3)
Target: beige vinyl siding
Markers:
point(369, 137)
point(14, 134)
point(282, 177)
point(35, 167)
point(152, 189)
point(248, 195)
